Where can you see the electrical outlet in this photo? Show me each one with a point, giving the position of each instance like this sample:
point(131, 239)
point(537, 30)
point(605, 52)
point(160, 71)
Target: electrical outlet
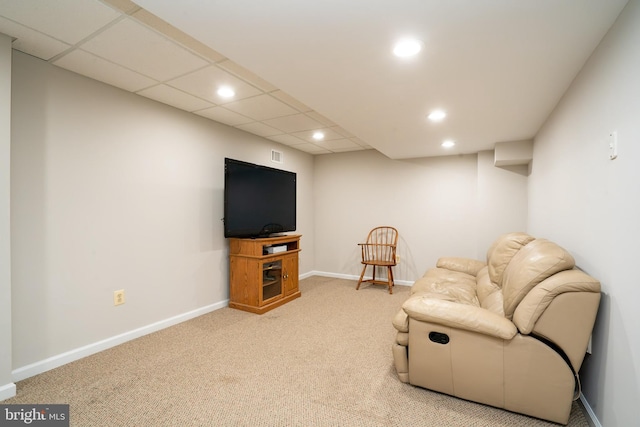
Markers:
point(397, 259)
point(118, 297)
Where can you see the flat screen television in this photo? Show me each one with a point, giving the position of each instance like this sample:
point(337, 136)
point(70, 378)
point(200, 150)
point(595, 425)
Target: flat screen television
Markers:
point(258, 200)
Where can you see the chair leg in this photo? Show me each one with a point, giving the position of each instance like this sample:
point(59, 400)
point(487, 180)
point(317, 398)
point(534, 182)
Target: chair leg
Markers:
point(390, 279)
point(361, 276)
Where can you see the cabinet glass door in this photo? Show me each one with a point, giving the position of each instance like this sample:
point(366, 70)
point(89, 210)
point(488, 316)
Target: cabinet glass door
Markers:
point(271, 280)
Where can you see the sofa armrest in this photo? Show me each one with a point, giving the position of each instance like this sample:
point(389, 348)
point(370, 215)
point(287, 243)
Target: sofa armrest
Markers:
point(425, 308)
point(401, 321)
point(463, 265)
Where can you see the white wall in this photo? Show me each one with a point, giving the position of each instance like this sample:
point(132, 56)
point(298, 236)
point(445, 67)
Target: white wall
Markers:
point(591, 205)
point(7, 387)
point(114, 191)
point(502, 200)
point(439, 205)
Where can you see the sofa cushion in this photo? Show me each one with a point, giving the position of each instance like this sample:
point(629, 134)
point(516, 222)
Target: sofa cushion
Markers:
point(532, 264)
point(501, 251)
point(489, 293)
point(447, 284)
point(463, 265)
point(539, 298)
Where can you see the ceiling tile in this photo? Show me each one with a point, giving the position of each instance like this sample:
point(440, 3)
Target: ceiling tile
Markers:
point(294, 123)
point(30, 41)
point(261, 107)
point(177, 98)
point(329, 135)
point(177, 35)
point(99, 69)
point(222, 115)
point(342, 132)
point(312, 149)
point(284, 97)
point(287, 139)
point(259, 129)
point(126, 6)
point(247, 75)
point(143, 50)
point(60, 18)
point(340, 145)
point(361, 143)
point(205, 83)
point(319, 117)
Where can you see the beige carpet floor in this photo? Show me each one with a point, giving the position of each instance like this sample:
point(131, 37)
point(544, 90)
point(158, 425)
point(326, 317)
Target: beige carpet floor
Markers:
point(321, 360)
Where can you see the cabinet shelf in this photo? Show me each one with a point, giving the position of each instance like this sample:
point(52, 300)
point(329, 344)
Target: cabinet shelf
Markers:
point(261, 281)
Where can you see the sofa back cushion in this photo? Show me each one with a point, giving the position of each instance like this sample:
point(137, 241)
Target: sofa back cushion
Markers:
point(501, 251)
point(531, 265)
point(489, 293)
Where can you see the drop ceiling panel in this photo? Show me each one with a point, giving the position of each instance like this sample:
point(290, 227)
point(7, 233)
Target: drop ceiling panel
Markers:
point(319, 117)
point(222, 115)
point(284, 97)
point(143, 50)
point(312, 149)
point(59, 18)
point(260, 129)
point(205, 83)
point(294, 123)
point(287, 139)
point(261, 107)
point(329, 134)
point(32, 42)
point(177, 98)
point(177, 35)
point(339, 145)
point(97, 68)
point(247, 75)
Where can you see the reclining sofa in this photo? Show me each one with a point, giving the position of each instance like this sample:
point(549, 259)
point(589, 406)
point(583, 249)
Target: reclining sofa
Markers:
point(510, 333)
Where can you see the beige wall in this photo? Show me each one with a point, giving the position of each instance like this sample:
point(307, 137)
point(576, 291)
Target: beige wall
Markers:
point(591, 205)
point(453, 205)
point(7, 387)
point(114, 191)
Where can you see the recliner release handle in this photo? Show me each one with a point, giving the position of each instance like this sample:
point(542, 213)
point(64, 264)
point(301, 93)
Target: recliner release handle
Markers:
point(439, 337)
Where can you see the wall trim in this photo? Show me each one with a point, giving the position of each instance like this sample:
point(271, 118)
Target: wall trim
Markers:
point(592, 419)
point(87, 350)
point(7, 391)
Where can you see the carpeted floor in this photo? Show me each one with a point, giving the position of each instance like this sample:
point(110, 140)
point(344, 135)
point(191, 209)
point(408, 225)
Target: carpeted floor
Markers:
point(321, 360)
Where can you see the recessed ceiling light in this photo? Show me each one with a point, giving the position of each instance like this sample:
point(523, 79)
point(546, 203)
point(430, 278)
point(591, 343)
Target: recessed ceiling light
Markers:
point(407, 47)
point(318, 136)
point(437, 115)
point(226, 92)
point(448, 143)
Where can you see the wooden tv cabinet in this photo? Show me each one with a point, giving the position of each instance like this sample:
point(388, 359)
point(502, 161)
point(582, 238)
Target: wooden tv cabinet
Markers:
point(263, 272)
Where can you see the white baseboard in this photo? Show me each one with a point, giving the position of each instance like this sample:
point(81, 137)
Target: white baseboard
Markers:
point(78, 353)
point(349, 277)
point(592, 419)
point(7, 391)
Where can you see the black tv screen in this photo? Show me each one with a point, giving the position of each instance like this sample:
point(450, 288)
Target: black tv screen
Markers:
point(258, 200)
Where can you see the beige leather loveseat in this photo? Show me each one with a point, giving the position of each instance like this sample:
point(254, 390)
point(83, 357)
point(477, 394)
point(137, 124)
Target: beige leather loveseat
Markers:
point(511, 332)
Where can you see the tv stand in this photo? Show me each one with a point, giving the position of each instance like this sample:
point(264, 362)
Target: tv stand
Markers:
point(260, 281)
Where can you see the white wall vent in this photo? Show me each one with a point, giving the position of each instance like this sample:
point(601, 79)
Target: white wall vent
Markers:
point(276, 156)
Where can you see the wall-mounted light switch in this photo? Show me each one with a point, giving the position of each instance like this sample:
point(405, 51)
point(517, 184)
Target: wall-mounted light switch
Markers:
point(612, 140)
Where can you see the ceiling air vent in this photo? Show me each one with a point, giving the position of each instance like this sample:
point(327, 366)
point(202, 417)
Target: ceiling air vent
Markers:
point(276, 156)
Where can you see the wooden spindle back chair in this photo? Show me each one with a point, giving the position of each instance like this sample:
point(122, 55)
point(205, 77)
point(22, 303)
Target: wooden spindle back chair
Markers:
point(379, 251)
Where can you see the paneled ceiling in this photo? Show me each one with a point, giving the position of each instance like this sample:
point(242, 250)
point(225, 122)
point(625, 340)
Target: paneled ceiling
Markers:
point(497, 67)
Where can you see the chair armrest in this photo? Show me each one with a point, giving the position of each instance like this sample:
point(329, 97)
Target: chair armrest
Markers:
point(463, 265)
point(425, 308)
